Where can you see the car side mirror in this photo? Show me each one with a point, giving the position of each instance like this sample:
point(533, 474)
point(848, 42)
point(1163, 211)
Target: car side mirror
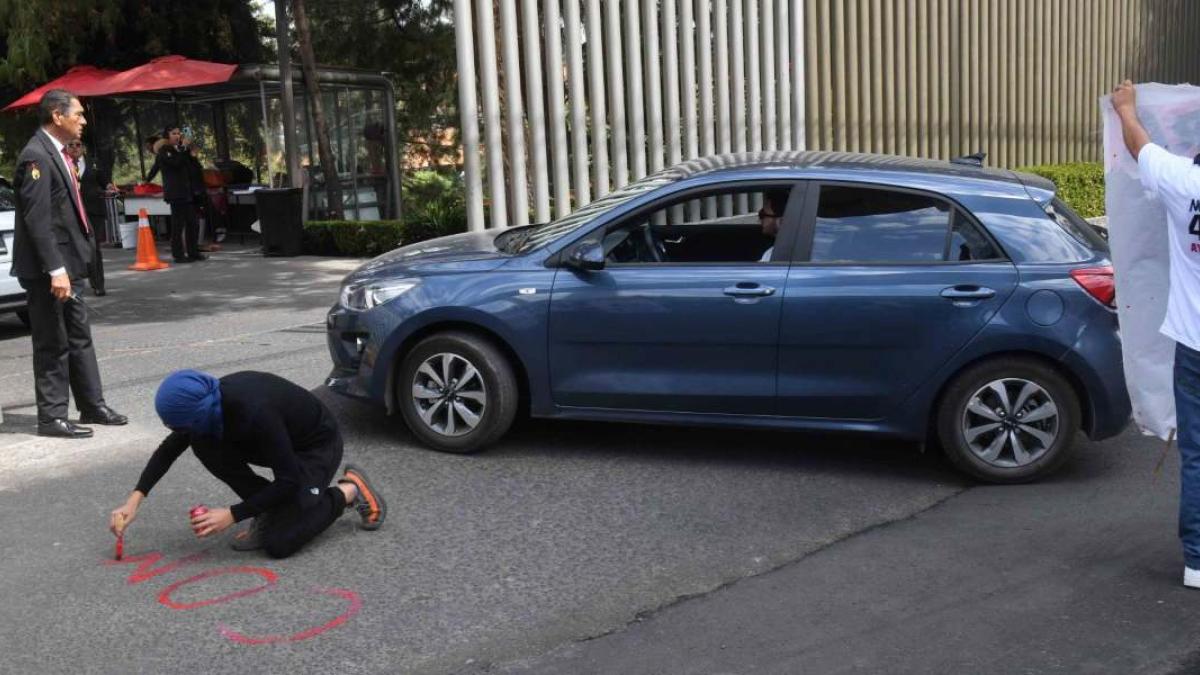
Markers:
point(587, 257)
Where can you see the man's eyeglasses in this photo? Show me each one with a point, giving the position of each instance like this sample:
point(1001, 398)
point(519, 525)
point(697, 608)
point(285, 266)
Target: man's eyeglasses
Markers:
point(75, 144)
point(763, 213)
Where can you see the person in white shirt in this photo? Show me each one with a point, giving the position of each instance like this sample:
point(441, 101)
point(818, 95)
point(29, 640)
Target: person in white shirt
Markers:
point(1176, 181)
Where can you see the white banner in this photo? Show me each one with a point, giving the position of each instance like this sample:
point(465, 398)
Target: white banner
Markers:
point(1137, 226)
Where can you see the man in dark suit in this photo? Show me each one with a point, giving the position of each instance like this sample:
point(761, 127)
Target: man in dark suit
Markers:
point(174, 160)
point(95, 185)
point(52, 247)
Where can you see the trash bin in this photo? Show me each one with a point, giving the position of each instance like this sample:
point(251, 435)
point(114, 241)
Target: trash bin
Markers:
point(279, 213)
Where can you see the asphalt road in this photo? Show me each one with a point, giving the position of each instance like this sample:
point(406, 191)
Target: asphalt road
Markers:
point(569, 548)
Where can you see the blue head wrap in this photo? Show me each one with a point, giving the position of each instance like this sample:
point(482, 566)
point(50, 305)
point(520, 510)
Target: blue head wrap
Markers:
point(190, 400)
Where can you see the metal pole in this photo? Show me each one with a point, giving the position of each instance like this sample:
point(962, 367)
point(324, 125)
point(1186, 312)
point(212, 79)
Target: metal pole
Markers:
point(536, 109)
point(634, 105)
point(141, 142)
point(266, 135)
point(754, 85)
point(798, 74)
point(579, 153)
point(707, 140)
point(468, 112)
point(491, 113)
point(558, 115)
point(514, 112)
point(595, 67)
point(616, 91)
point(654, 90)
point(784, 76)
point(389, 111)
point(286, 100)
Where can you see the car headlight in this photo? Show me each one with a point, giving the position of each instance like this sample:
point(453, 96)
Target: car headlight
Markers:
point(363, 296)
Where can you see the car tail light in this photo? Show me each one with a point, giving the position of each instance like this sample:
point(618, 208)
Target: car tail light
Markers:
point(1098, 282)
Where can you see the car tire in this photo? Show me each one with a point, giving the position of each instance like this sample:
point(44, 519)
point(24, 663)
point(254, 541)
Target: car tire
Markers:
point(1009, 420)
point(473, 410)
point(23, 315)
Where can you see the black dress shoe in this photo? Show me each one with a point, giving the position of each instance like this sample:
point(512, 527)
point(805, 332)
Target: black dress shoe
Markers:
point(62, 429)
point(99, 291)
point(198, 257)
point(182, 261)
point(103, 415)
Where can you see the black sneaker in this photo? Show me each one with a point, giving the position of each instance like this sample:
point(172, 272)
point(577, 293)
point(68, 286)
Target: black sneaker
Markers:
point(369, 503)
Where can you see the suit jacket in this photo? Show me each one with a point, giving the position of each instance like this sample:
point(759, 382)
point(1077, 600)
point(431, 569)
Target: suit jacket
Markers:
point(93, 183)
point(49, 232)
point(175, 166)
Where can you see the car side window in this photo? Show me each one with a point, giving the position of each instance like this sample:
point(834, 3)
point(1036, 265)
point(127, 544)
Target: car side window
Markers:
point(967, 242)
point(722, 226)
point(872, 225)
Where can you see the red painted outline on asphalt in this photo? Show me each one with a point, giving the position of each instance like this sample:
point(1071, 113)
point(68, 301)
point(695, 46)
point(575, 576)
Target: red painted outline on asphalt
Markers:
point(348, 595)
point(164, 597)
point(145, 565)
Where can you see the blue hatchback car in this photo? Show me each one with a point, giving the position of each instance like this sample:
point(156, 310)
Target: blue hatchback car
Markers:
point(927, 300)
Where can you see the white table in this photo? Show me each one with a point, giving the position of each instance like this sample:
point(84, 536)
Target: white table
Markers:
point(155, 206)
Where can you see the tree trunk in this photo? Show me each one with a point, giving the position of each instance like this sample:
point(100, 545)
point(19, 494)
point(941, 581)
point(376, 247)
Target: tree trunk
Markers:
point(333, 183)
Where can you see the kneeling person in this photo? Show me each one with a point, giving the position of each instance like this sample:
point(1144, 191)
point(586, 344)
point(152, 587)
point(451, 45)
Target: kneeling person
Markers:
point(250, 418)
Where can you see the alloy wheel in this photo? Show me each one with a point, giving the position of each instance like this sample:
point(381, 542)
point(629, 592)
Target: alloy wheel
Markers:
point(449, 394)
point(1010, 422)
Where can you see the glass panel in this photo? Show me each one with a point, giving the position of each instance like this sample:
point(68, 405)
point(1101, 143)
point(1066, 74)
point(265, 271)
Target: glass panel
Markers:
point(968, 243)
point(870, 225)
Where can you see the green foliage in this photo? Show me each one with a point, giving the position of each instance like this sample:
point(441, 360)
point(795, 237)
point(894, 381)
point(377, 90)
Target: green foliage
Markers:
point(413, 41)
point(41, 39)
point(435, 199)
point(1080, 185)
point(357, 238)
point(434, 206)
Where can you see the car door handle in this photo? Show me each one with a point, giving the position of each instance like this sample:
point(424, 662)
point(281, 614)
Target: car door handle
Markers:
point(749, 290)
point(968, 293)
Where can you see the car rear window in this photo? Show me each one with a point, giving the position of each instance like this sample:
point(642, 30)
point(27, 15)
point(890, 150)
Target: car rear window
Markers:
point(8, 201)
point(1079, 229)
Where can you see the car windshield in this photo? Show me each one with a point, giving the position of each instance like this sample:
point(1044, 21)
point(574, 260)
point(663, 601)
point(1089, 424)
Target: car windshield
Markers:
point(533, 236)
point(8, 201)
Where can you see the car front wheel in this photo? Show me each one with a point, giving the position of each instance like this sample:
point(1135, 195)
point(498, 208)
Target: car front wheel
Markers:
point(1008, 420)
point(457, 392)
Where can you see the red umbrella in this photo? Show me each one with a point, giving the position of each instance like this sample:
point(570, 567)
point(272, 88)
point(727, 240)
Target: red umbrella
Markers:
point(169, 72)
point(80, 80)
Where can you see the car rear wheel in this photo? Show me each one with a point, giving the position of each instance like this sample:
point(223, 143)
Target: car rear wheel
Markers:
point(1010, 420)
point(457, 392)
point(23, 315)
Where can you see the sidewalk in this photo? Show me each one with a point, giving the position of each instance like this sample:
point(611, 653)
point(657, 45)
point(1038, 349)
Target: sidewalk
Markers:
point(150, 323)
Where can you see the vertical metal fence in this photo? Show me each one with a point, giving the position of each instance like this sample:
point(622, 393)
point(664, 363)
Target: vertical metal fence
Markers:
point(584, 96)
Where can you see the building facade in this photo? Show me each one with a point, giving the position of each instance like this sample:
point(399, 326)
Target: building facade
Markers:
point(563, 101)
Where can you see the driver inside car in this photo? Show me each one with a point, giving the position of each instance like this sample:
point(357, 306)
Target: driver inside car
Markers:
point(770, 216)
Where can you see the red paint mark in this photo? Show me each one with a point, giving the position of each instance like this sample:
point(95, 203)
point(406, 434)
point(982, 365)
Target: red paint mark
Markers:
point(268, 575)
point(347, 595)
point(145, 565)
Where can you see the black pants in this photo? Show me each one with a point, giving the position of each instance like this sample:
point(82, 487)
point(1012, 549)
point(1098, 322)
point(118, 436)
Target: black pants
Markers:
point(297, 521)
point(96, 270)
point(185, 230)
point(64, 361)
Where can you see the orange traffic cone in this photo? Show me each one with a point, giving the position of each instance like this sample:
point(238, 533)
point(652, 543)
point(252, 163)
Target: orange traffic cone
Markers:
point(147, 254)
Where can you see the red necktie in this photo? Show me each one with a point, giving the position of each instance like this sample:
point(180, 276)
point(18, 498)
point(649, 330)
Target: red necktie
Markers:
point(74, 171)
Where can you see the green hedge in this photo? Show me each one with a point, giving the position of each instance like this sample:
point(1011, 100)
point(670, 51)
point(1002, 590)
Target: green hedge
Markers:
point(363, 238)
point(1080, 185)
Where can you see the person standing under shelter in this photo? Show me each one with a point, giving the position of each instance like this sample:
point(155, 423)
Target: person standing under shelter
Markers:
point(95, 186)
point(1176, 181)
point(174, 160)
point(52, 249)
